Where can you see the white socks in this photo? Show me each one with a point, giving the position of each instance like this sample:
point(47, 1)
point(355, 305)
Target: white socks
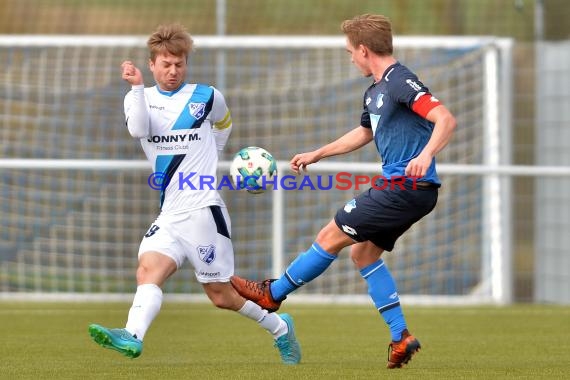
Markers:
point(269, 321)
point(146, 306)
point(148, 300)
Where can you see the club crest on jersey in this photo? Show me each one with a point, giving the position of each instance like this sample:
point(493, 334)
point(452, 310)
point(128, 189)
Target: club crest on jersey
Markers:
point(197, 109)
point(207, 253)
point(379, 101)
point(350, 205)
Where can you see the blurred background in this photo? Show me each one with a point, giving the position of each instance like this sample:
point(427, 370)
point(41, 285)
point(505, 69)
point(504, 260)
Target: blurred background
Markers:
point(34, 224)
point(507, 18)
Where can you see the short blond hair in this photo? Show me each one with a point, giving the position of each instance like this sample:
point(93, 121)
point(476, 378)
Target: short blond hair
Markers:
point(171, 38)
point(372, 31)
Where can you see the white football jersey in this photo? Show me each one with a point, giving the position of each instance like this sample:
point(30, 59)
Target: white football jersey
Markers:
point(176, 131)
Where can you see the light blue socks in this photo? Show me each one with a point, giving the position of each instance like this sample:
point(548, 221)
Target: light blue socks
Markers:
point(382, 290)
point(306, 267)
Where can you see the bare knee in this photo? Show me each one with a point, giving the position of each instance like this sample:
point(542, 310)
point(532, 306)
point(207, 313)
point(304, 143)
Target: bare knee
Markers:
point(154, 268)
point(361, 262)
point(220, 301)
point(223, 296)
point(365, 253)
point(332, 239)
point(142, 273)
point(359, 257)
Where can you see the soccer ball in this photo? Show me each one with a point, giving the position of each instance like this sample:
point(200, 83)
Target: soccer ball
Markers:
point(253, 169)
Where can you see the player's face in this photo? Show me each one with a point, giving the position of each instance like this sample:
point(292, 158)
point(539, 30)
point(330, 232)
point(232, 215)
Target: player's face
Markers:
point(169, 71)
point(358, 58)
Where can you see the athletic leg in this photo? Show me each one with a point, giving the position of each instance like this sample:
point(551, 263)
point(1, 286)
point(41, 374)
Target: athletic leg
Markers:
point(306, 267)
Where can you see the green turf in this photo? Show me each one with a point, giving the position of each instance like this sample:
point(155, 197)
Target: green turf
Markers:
point(197, 341)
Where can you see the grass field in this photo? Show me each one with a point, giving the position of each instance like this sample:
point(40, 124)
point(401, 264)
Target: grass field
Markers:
point(197, 341)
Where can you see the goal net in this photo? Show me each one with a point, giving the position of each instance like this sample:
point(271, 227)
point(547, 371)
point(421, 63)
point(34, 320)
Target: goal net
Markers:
point(74, 195)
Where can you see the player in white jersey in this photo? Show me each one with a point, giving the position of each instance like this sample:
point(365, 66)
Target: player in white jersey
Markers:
point(181, 128)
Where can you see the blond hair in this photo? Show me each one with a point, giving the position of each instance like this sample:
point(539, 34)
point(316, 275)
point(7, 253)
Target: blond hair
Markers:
point(372, 31)
point(171, 38)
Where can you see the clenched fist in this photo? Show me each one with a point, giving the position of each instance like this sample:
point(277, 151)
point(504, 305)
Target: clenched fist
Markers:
point(131, 73)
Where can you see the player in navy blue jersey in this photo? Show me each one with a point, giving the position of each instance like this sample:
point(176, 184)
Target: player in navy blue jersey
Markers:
point(409, 126)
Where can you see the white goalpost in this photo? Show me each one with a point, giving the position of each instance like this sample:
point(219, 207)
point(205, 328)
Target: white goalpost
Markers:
point(75, 199)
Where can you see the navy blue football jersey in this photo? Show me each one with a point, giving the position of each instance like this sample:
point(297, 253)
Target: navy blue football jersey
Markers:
point(400, 133)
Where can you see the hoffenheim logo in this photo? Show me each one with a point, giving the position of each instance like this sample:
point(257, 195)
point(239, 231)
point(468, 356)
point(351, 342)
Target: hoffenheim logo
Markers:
point(197, 109)
point(207, 253)
point(350, 206)
point(379, 101)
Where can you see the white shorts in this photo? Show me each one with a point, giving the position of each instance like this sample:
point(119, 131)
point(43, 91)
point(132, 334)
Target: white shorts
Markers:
point(200, 236)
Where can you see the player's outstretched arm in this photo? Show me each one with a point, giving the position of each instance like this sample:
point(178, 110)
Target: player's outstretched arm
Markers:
point(352, 140)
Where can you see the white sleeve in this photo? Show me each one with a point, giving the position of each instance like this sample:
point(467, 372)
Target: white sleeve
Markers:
point(136, 112)
point(221, 120)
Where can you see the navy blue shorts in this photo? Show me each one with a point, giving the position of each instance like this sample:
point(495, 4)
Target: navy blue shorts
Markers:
point(382, 216)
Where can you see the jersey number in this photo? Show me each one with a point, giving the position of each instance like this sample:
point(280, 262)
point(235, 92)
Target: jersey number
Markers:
point(152, 230)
